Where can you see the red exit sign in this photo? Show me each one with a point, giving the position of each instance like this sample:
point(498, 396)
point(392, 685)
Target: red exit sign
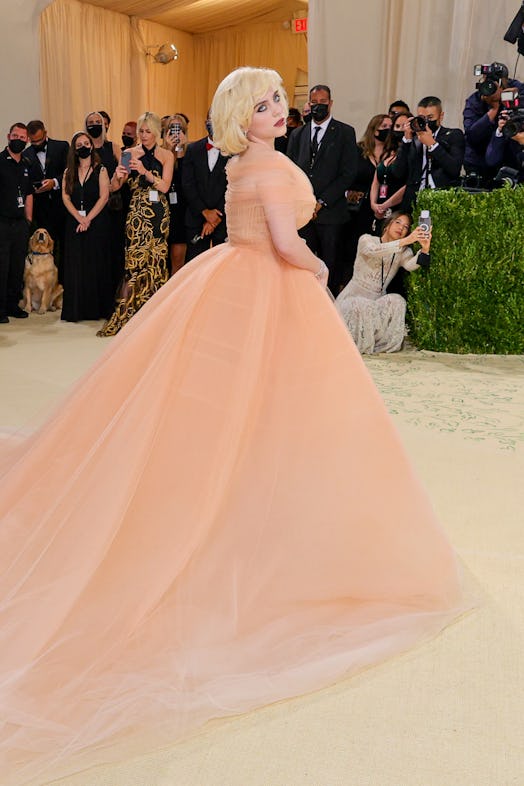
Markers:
point(300, 25)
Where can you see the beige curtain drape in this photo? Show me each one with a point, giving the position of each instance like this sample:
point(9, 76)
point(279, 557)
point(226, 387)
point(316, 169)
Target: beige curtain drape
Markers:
point(374, 52)
point(96, 59)
point(92, 58)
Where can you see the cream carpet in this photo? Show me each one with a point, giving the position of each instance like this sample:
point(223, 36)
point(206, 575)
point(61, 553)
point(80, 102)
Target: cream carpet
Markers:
point(446, 714)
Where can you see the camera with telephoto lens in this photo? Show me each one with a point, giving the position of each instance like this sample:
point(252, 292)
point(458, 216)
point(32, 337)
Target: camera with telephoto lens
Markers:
point(514, 124)
point(418, 124)
point(492, 74)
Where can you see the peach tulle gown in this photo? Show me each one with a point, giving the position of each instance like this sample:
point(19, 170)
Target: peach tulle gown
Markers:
point(219, 515)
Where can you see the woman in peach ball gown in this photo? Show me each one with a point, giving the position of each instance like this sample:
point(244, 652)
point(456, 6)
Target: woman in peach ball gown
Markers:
point(220, 514)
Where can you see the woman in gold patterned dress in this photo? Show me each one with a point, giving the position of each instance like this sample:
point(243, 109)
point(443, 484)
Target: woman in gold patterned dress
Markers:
point(149, 174)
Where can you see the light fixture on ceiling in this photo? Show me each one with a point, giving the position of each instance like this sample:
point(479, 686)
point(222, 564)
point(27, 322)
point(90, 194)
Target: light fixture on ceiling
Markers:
point(164, 54)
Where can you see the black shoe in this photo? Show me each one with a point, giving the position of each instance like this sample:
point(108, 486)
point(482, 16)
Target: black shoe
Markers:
point(4, 320)
point(18, 313)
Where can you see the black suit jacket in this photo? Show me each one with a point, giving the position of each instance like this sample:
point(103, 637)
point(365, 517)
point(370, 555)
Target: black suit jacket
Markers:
point(445, 163)
point(48, 207)
point(334, 167)
point(203, 190)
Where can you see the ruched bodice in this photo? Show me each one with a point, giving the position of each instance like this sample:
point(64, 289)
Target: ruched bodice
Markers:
point(197, 531)
point(250, 197)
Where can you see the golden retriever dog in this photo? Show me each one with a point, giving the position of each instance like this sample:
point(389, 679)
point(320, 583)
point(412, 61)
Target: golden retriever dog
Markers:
point(42, 292)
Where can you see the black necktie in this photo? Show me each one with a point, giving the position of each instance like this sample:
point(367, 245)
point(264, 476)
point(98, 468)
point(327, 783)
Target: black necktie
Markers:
point(314, 143)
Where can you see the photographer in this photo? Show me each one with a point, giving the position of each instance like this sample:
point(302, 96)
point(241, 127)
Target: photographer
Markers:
point(481, 115)
point(506, 149)
point(430, 155)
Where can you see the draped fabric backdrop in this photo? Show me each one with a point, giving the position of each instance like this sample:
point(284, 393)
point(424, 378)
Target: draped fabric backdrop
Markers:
point(374, 52)
point(94, 58)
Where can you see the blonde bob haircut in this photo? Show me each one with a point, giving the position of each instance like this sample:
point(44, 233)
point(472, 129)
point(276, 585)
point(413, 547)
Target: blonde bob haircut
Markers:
point(234, 103)
point(153, 123)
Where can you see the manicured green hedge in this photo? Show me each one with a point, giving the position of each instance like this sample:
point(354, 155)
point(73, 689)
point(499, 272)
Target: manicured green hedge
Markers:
point(472, 297)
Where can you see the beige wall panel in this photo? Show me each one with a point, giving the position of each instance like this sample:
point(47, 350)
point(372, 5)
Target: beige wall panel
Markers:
point(373, 52)
point(19, 62)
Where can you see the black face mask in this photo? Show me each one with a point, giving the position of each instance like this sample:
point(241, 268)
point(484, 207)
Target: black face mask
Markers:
point(432, 125)
point(94, 131)
point(16, 145)
point(397, 135)
point(128, 141)
point(319, 112)
point(83, 152)
point(382, 134)
point(40, 147)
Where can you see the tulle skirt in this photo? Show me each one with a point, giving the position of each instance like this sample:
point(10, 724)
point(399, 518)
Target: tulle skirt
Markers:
point(219, 515)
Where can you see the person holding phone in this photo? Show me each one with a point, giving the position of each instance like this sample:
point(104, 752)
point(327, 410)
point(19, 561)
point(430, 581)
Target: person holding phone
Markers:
point(175, 140)
point(148, 169)
point(375, 318)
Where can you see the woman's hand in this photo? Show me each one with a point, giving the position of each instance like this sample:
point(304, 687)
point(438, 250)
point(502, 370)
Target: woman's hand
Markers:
point(323, 278)
point(121, 172)
point(425, 242)
point(379, 210)
point(418, 235)
point(503, 119)
point(136, 165)
point(83, 224)
point(322, 274)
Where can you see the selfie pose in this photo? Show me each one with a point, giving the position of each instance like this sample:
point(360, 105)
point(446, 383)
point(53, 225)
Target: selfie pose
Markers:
point(376, 318)
point(176, 140)
point(148, 169)
point(197, 531)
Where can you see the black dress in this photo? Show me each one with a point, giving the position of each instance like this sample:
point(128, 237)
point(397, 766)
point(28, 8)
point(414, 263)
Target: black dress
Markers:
point(117, 215)
point(388, 184)
point(88, 287)
point(177, 206)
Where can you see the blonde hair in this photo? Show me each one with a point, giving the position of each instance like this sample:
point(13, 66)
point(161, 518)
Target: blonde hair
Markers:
point(103, 135)
point(153, 123)
point(234, 102)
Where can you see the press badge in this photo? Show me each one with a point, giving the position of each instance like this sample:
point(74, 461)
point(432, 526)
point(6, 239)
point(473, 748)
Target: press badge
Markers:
point(20, 202)
point(383, 191)
point(173, 199)
point(153, 196)
point(82, 213)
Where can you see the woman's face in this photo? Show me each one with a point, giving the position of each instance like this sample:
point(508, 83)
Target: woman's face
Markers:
point(94, 120)
point(269, 118)
point(146, 136)
point(385, 125)
point(400, 122)
point(83, 141)
point(398, 228)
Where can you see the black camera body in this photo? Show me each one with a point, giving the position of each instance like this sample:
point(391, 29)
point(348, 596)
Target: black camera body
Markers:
point(492, 73)
point(514, 124)
point(418, 124)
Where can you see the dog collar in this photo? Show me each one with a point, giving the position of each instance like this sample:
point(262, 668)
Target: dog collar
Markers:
point(39, 253)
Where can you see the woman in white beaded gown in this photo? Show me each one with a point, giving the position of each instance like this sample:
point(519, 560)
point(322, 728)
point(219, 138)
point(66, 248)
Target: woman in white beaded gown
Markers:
point(376, 320)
